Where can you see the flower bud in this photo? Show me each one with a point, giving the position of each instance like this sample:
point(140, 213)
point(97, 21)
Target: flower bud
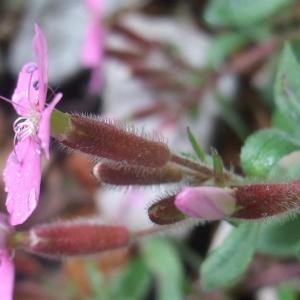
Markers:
point(164, 212)
point(118, 174)
point(207, 203)
point(104, 139)
point(264, 200)
point(75, 239)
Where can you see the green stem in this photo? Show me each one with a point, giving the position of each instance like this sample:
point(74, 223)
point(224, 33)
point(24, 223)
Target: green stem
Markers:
point(205, 171)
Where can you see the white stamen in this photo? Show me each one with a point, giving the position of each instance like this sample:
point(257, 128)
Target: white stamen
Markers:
point(25, 127)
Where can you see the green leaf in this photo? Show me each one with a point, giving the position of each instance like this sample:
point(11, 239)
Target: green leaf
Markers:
point(134, 281)
point(287, 88)
point(286, 292)
point(163, 260)
point(241, 12)
point(227, 263)
point(223, 45)
point(196, 147)
point(280, 238)
point(263, 149)
point(287, 168)
point(295, 44)
point(286, 124)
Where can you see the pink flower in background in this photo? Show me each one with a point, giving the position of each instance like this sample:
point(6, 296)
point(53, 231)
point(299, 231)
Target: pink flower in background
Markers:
point(22, 173)
point(92, 51)
point(7, 270)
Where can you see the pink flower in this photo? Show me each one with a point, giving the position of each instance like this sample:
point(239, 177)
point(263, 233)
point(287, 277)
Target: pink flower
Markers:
point(22, 173)
point(92, 51)
point(7, 271)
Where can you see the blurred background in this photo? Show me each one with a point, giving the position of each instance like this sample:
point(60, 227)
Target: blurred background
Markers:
point(162, 65)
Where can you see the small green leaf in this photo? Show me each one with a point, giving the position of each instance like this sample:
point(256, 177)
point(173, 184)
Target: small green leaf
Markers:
point(164, 262)
point(227, 263)
point(263, 149)
point(280, 238)
point(241, 12)
point(218, 165)
point(287, 88)
point(197, 148)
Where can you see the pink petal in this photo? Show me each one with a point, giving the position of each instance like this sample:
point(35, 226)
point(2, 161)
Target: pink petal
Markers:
point(25, 96)
point(92, 55)
point(7, 274)
point(94, 6)
point(22, 178)
point(31, 88)
point(44, 127)
point(40, 49)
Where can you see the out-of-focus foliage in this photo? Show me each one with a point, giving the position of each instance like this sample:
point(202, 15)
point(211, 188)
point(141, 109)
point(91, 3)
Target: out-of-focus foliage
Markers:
point(226, 264)
point(241, 13)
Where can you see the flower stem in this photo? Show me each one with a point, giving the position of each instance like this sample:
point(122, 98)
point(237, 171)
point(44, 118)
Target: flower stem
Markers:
point(204, 170)
point(200, 168)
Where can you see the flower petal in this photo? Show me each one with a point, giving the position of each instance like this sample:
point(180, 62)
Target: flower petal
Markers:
point(44, 127)
point(26, 94)
point(22, 178)
point(94, 6)
point(7, 274)
point(40, 49)
point(92, 48)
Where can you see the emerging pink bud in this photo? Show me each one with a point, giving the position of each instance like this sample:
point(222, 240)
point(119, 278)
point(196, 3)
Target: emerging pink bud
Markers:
point(207, 203)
